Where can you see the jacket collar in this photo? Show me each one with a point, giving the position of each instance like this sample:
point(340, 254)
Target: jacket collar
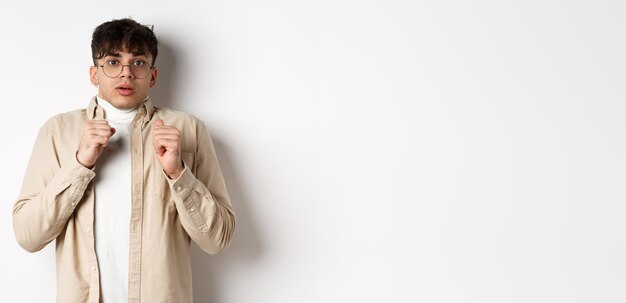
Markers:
point(146, 109)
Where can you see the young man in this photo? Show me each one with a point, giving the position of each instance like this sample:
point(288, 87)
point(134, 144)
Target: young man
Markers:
point(123, 186)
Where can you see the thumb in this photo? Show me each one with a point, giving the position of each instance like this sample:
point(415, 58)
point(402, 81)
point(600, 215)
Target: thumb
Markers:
point(113, 131)
point(159, 122)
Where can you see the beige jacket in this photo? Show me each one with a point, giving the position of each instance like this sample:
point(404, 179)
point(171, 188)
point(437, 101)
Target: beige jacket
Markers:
point(57, 202)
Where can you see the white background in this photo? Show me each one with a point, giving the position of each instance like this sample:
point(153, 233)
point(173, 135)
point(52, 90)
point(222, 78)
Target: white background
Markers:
point(375, 151)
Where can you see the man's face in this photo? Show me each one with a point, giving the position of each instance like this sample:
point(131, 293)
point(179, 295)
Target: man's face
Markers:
point(126, 90)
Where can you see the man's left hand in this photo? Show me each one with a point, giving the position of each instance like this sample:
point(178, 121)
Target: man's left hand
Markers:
point(167, 148)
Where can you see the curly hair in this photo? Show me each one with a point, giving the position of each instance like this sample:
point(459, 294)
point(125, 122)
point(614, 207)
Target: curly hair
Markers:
point(123, 34)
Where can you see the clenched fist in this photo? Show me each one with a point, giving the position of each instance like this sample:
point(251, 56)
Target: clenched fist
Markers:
point(94, 139)
point(167, 148)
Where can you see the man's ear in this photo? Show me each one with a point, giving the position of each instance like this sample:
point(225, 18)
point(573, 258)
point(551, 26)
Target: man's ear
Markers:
point(153, 78)
point(93, 75)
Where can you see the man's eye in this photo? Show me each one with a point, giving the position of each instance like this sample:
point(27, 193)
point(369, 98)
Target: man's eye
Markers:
point(139, 63)
point(112, 62)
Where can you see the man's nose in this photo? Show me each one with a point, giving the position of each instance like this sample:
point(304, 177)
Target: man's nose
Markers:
point(126, 72)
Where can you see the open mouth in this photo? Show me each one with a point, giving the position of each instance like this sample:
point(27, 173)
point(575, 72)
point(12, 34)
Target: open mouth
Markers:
point(124, 90)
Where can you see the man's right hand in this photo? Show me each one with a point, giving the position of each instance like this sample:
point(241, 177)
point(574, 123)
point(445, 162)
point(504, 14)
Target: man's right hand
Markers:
point(94, 139)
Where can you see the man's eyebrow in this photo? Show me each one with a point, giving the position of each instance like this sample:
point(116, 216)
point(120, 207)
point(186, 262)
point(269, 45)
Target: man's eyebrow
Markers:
point(113, 54)
point(118, 55)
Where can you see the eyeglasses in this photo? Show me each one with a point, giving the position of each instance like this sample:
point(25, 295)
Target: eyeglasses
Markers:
point(113, 68)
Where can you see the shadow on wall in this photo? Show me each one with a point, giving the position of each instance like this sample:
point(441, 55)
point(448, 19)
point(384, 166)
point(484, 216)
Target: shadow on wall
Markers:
point(245, 245)
point(163, 93)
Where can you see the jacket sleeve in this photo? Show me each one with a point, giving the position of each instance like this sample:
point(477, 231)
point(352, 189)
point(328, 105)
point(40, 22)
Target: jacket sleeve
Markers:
point(201, 200)
point(50, 193)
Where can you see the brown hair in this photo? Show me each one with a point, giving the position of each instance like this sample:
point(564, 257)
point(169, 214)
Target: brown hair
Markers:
point(124, 34)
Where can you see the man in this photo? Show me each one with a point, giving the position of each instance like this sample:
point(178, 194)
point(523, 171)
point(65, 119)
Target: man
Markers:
point(123, 186)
